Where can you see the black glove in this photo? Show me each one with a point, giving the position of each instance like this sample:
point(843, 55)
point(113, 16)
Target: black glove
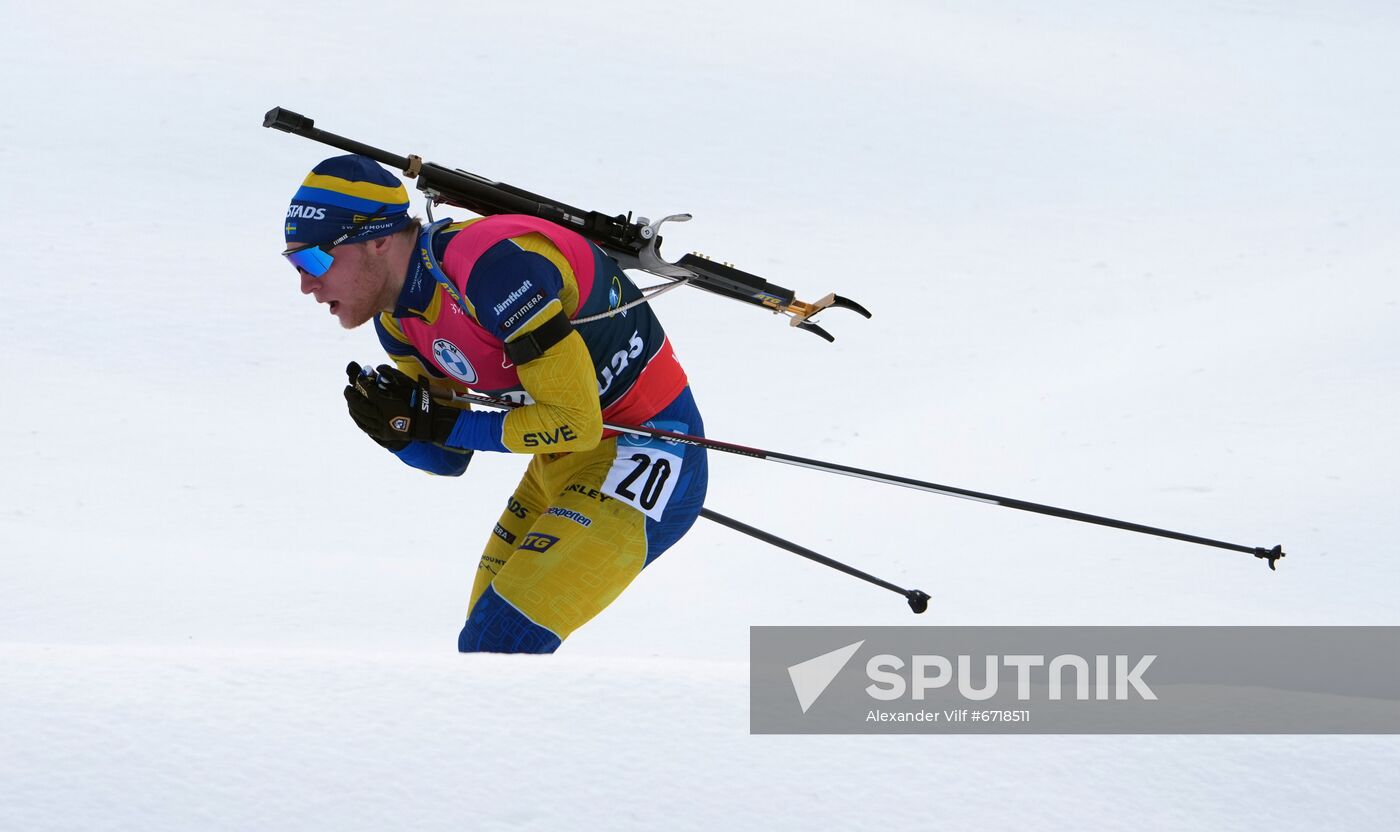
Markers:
point(394, 409)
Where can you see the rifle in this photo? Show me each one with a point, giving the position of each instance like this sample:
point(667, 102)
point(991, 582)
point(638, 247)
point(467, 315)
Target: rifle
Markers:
point(633, 244)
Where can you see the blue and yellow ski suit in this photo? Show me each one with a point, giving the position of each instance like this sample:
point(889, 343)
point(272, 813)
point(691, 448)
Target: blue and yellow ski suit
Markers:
point(593, 507)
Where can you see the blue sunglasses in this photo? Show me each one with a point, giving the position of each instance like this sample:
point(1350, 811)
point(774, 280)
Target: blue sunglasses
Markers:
point(316, 260)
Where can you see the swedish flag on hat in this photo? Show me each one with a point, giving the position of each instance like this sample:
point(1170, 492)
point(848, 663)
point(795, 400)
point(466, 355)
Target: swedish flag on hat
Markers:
point(346, 193)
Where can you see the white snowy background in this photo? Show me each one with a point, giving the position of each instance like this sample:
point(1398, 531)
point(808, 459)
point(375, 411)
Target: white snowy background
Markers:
point(1137, 259)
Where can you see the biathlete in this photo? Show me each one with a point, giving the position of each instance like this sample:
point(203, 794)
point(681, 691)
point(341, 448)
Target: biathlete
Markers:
point(505, 306)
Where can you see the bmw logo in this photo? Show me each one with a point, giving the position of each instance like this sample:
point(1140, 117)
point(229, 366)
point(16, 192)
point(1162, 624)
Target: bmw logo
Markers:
point(453, 361)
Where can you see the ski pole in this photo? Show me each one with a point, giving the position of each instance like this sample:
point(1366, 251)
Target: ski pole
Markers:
point(917, 598)
point(1271, 555)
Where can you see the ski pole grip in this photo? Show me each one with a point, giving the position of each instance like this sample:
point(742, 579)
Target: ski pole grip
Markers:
point(287, 121)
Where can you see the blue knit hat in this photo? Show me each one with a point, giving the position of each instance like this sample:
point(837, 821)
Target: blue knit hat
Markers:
point(346, 193)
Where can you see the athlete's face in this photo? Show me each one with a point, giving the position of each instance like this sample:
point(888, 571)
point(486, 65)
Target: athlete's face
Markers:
point(354, 285)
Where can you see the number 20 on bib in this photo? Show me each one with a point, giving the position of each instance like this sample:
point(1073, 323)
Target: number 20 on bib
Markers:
point(646, 469)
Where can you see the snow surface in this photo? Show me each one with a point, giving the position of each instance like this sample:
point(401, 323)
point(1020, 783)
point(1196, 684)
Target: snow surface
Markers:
point(1130, 258)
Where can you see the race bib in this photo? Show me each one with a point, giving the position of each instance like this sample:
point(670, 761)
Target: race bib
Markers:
point(646, 469)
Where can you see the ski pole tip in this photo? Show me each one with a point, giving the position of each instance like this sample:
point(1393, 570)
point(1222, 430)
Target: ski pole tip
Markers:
point(1271, 555)
point(918, 600)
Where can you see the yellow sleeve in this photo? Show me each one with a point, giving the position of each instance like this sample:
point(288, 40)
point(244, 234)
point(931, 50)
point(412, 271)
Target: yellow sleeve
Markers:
point(566, 414)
